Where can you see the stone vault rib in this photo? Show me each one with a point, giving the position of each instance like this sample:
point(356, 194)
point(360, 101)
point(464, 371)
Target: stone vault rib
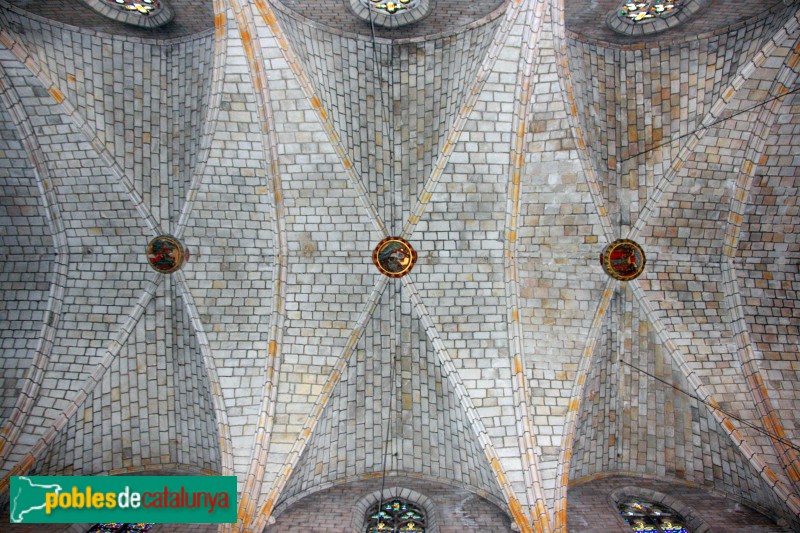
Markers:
point(522, 114)
point(576, 397)
point(744, 73)
point(12, 42)
point(247, 520)
point(431, 184)
point(268, 16)
point(476, 424)
point(568, 90)
point(89, 385)
point(29, 390)
point(787, 77)
point(783, 492)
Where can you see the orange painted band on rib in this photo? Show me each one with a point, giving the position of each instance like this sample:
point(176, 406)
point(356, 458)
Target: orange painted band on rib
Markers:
point(517, 364)
point(56, 94)
point(728, 94)
point(519, 517)
point(515, 315)
point(6, 41)
point(268, 507)
point(266, 13)
point(573, 404)
point(315, 103)
point(273, 347)
point(347, 164)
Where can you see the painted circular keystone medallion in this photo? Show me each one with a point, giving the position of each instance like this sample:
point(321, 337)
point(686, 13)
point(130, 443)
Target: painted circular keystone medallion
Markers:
point(623, 259)
point(394, 257)
point(166, 254)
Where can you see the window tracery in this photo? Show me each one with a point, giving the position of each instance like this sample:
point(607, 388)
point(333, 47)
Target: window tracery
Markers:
point(142, 7)
point(648, 517)
point(390, 13)
point(395, 516)
point(644, 11)
point(145, 13)
point(642, 17)
point(389, 6)
point(113, 527)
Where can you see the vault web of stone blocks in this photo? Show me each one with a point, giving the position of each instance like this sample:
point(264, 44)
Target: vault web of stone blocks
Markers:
point(281, 151)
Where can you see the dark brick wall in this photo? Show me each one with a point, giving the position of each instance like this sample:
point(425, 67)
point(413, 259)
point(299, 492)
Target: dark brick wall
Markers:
point(191, 16)
point(330, 511)
point(589, 507)
point(588, 19)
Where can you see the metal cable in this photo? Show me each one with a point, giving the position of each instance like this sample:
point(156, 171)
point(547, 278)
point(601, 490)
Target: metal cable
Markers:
point(701, 128)
point(717, 408)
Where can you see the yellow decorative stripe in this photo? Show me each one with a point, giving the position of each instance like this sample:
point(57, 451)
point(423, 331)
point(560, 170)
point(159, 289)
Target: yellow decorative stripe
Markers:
point(728, 94)
point(793, 61)
point(56, 94)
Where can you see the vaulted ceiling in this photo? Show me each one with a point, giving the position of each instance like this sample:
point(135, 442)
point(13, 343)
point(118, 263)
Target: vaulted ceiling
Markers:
point(509, 143)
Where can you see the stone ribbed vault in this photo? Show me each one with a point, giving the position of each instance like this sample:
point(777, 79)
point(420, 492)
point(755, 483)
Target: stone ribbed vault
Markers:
point(508, 148)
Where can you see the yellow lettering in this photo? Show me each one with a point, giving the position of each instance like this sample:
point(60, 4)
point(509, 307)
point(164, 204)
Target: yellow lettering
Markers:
point(50, 501)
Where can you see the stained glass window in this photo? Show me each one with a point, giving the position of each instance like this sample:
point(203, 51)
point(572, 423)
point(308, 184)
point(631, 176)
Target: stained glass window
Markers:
point(389, 7)
point(649, 10)
point(395, 516)
point(142, 7)
point(647, 517)
point(120, 528)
